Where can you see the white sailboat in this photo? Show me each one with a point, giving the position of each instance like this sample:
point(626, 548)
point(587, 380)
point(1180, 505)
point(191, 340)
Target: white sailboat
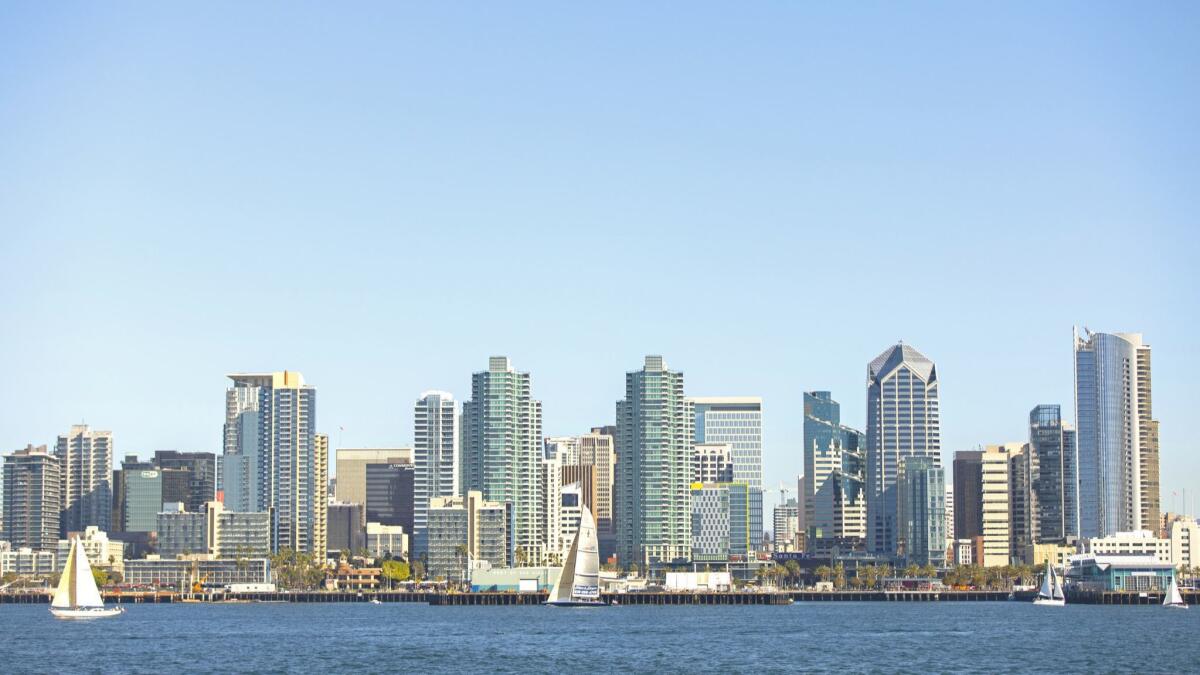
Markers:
point(579, 583)
point(77, 596)
point(1051, 592)
point(1173, 597)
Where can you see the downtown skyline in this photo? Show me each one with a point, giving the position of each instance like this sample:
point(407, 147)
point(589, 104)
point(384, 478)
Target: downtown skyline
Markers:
point(362, 175)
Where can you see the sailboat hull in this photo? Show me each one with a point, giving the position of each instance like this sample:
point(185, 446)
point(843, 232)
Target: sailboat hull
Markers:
point(575, 603)
point(86, 613)
point(1176, 606)
point(1050, 602)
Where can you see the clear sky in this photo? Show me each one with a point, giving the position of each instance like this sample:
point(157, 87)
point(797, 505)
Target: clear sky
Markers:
point(382, 196)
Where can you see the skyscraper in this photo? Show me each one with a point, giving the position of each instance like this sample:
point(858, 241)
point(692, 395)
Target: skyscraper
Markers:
point(736, 420)
point(435, 458)
point(1117, 434)
point(273, 461)
point(390, 494)
point(32, 500)
point(902, 422)
point(655, 426)
point(835, 503)
point(968, 494)
point(199, 470)
point(87, 463)
point(502, 450)
point(352, 470)
point(1054, 479)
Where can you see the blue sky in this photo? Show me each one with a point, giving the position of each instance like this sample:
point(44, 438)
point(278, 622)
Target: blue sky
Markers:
point(382, 196)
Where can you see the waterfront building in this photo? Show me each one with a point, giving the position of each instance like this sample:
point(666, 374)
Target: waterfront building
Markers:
point(387, 540)
point(465, 532)
point(786, 523)
point(834, 489)
point(24, 561)
point(390, 494)
point(902, 422)
point(180, 574)
point(1184, 535)
point(274, 460)
point(736, 420)
point(502, 450)
point(712, 463)
point(921, 494)
point(346, 529)
point(351, 468)
point(140, 497)
point(1055, 479)
point(514, 579)
point(1136, 573)
point(234, 534)
point(180, 532)
point(1137, 542)
point(86, 457)
point(1059, 555)
point(32, 502)
point(435, 457)
point(655, 427)
point(1117, 434)
point(101, 551)
point(720, 522)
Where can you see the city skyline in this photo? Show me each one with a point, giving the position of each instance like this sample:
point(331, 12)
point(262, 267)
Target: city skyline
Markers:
point(178, 191)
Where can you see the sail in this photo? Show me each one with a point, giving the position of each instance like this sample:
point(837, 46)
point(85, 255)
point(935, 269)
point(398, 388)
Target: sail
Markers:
point(1047, 590)
point(1058, 588)
point(64, 595)
point(86, 593)
point(1173, 597)
point(586, 584)
point(566, 580)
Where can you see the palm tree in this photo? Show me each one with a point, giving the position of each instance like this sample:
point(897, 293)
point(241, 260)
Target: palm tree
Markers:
point(824, 572)
point(911, 570)
point(839, 576)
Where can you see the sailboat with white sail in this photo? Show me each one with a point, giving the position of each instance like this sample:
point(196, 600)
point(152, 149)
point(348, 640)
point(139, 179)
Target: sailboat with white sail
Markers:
point(1173, 598)
point(1051, 592)
point(77, 596)
point(579, 583)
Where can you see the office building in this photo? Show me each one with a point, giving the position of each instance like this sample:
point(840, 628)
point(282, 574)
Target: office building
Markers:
point(345, 528)
point(1184, 537)
point(180, 532)
point(902, 422)
point(1137, 542)
point(968, 494)
point(502, 451)
point(273, 460)
point(655, 427)
point(712, 463)
point(565, 448)
point(834, 485)
point(949, 515)
point(390, 494)
point(32, 499)
point(197, 473)
point(736, 420)
point(921, 494)
point(387, 541)
point(720, 522)
point(435, 457)
point(86, 457)
point(1117, 434)
point(1055, 475)
point(351, 468)
point(1022, 508)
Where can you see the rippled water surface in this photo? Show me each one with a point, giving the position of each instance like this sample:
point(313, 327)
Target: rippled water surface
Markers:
point(861, 637)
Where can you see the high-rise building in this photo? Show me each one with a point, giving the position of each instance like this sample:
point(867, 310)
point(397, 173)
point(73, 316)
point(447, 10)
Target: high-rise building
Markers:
point(180, 532)
point(435, 457)
point(902, 422)
point(712, 463)
point(463, 530)
point(272, 459)
point(834, 490)
point(198, 471)
point(87, 463)
point(344, 527)
point(720, 522)
point(1054, 479)
point(786, 525)
point(920, 496)
point(351, 468)
point(502, 450)
point(142, 498)
point(1021, 504)
point(655, 427)
point(736, 420)
point(996, 503)
point(565, 448)
point(1117, 434)
point(230, 534)
point(596, 449)
point(949, 514)
point(32, 499)
point(390, 494)
point(968, 494)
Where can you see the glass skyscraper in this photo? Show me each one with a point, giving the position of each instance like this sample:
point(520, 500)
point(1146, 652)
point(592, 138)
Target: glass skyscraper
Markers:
point(655, 427)
point(921, 505)
point(902, 422)
point(1054, 477)
point(1117, 435)
point(736, 420)
point(834, 495)
point(435, 458)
